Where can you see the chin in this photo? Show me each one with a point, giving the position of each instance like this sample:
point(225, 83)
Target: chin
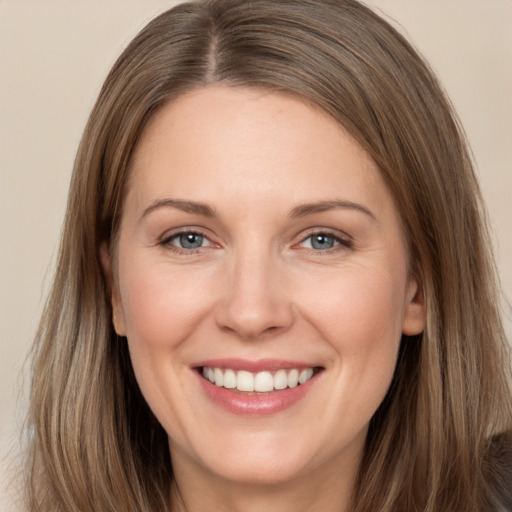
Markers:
point(259, 458)
point(271, 470)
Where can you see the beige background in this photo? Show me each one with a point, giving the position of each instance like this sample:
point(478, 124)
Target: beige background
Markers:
point(54, 56)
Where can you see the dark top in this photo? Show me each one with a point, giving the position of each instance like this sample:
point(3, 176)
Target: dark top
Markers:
point(499, 469)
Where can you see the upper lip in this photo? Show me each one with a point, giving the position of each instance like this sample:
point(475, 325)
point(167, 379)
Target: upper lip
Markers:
point(255, 366)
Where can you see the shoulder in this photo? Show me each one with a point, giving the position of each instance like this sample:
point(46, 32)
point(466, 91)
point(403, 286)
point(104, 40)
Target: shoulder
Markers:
point(499, 471)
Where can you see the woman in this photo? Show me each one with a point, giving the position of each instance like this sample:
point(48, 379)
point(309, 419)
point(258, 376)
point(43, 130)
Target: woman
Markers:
point(274, 287)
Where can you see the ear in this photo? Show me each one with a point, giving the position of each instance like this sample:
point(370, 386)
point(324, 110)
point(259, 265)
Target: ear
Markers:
point(113, 291)
point(415, 314)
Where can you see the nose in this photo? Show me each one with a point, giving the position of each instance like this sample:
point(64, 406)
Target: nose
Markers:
point(254, 302)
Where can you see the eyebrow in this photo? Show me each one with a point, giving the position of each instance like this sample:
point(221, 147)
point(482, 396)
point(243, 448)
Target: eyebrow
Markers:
point(302, 210)
point(323, 206)
point(185, 206)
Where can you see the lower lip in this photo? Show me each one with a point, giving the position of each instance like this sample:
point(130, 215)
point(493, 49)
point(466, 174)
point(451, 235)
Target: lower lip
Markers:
point(255, 404)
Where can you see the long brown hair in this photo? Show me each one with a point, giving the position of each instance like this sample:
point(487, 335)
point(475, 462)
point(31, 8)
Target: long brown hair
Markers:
point(95, 444)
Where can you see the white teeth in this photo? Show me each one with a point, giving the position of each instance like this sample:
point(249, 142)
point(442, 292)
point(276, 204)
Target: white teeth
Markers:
point(293, 378)
point(219, 377)
point(261, 382)
point(303, 376)
point(229, 379)
point(281, 379)
point(244, 381)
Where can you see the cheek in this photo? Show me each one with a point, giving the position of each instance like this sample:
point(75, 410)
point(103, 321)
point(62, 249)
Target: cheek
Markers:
point(359, 313)
point(161, 305)
point(362, 322)
point(161, 308)
point(359, 308)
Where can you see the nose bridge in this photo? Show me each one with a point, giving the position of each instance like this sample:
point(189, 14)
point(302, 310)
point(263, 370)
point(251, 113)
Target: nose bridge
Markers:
point(254, 300)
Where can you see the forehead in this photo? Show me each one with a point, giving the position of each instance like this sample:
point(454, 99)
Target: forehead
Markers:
point(259, 145)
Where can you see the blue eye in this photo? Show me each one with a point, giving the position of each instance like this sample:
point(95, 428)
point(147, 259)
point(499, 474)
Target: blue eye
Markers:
point(187, 240)
point(323, 242)
point(191, 240)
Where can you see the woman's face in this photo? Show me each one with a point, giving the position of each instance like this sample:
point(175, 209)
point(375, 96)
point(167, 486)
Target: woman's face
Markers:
point(259, 248)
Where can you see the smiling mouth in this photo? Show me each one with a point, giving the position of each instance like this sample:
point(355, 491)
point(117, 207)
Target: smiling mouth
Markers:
point(260, 382)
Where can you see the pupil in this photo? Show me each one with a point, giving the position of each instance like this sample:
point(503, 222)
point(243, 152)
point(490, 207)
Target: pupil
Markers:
point(322, 242)
point(191, 241)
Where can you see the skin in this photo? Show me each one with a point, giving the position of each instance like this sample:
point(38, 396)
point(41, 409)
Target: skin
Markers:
point(257, 288)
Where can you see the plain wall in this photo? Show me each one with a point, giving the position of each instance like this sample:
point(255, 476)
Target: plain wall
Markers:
point(54, 56)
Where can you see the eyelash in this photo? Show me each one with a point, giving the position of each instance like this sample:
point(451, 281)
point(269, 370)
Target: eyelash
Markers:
point(340, 243)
